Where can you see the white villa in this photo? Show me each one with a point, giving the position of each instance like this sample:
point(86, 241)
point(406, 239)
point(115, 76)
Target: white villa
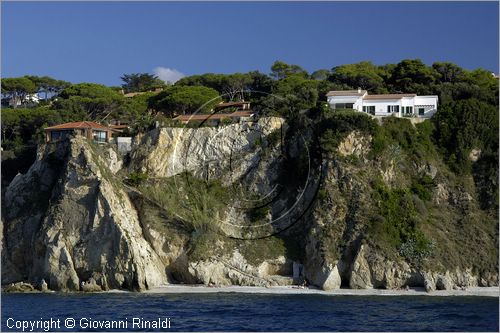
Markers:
point(399, 105)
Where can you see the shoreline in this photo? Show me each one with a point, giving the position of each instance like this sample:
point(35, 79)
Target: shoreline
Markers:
point(289, 290)
point(286, 290)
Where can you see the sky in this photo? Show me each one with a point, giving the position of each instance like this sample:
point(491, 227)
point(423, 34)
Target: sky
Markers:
point(100, 41)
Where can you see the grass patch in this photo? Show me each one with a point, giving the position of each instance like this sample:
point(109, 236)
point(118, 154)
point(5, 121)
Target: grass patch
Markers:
point(207, 244)
point(256, 251)
point(199, 204)
point(136, 178)
point(423, 187)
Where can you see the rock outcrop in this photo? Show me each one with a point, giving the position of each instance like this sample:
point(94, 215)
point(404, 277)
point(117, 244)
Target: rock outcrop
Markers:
point(68, 219)
point(355, 143)
point(327, 278)
point(361, 275)
point(19, 287)
point(235, 270)
point(73, 222)
point(165, 152)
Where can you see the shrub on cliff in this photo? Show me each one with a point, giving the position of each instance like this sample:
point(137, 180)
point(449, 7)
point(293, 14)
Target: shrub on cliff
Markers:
point(336, 125)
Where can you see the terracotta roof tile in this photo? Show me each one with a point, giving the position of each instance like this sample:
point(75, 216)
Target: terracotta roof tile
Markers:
point(388, 96)
point(346, 93)
point(118, 126)
point(78, 124)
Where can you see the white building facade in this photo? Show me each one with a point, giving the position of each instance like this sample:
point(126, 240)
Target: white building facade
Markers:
point(399, 105)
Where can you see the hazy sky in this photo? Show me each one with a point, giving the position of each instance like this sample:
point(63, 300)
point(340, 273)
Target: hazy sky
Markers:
point(98, 42)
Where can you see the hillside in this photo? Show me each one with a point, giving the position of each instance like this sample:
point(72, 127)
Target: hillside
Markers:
point(344, 199)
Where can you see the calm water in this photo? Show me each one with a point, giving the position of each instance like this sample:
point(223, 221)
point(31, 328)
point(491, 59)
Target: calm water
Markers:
point(251, 312)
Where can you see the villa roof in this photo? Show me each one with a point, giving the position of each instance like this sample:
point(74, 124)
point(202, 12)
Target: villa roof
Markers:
point(216, 116)
point(76, 125)
point(186, 117)
point(340, 93)
point(388, 96)
point(346, 93)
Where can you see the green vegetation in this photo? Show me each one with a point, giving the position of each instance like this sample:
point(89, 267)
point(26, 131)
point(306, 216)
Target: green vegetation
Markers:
point(294, 93)
point(185, 100)
point(399, 217)
point(93, 101)
point(209, 244)
point(198, 204)
point(465, 125)
point(257, 250)
point(423, 187)
point(416, 249)
point(18, 88)
point(22, 130)
point(397, 214)
point(138, 82)
point(281, 70)
point(335, 126)
point(363, 74)
point(47, 85)
point(467, 118)
point(137, 178)
point(398, 136)
point(397, 222)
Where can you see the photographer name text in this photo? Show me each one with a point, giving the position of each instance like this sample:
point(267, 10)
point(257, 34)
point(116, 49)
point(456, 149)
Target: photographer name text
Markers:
point(54, 324)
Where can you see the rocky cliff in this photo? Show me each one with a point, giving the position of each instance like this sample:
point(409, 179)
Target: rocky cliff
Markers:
point(67, 221)
point(247, 204)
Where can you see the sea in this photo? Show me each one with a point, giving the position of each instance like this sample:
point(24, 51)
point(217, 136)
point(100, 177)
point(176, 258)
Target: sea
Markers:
point(245, 312)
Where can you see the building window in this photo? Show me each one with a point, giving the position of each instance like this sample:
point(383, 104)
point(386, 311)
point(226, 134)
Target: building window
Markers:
point(392, 108)
point(344, 105)
point(60, 135)
point(100, 136)
point(409, 109)
point(421, 111)
point(55, 135)
point(369, 109)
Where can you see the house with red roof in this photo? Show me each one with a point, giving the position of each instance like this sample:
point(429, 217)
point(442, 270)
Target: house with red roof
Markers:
point(89, 129)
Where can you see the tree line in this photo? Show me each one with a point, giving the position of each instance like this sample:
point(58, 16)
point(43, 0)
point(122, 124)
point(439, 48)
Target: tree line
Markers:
point(467, 115)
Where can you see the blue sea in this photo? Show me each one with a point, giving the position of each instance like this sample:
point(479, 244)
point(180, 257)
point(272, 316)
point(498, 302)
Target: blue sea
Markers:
point(247, 312)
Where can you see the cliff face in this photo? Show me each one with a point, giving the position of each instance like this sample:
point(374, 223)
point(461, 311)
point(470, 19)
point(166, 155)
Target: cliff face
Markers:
point(66, 222)
point(246, 204)
point(369, 231)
